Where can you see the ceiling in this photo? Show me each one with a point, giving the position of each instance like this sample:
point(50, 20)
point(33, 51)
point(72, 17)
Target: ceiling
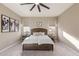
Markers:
point(24, 10)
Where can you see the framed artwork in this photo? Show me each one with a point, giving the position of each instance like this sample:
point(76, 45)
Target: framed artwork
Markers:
point(4, 23)
point(12, 25)
point(16, 25)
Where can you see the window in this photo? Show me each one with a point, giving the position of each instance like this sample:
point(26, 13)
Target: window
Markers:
point(51, 28)
point(26, 31)
point(52, 31)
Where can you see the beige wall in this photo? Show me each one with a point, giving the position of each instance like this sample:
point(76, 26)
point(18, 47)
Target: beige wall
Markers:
point(46, 22)
point(10, 37)
point(69, 22)
point(31, 21)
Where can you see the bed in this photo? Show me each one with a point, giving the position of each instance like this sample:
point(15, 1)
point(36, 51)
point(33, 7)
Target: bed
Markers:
point(37, 41)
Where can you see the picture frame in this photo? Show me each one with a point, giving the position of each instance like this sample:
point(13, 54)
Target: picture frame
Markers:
point(12, 25)
point(16, 26)
point(5, 23)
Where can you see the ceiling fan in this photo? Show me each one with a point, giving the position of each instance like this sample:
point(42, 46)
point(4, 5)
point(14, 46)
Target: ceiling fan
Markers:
point(34, 4)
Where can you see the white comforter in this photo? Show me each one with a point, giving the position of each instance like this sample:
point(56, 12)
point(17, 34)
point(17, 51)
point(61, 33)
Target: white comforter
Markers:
point(38, 39)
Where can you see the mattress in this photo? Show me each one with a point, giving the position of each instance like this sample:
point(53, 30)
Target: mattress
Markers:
point(38, 40)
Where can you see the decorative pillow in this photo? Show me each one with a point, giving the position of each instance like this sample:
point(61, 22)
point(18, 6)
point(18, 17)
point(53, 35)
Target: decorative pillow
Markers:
point(41, 33)
point(36, 33)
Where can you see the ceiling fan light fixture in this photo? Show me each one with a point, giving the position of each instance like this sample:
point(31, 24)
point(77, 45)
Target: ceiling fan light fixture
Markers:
point(36, 4)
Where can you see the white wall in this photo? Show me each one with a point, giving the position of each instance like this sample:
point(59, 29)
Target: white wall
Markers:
point(8, 38)
point(31, 21)
point(46, 22)
point(69, 22)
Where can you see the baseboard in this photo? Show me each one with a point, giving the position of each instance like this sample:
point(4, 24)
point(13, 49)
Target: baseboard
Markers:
point(71, 45)
point(11, 45)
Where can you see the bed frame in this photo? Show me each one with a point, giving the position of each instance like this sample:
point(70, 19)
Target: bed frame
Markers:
point(36, 46)
point(39, 30)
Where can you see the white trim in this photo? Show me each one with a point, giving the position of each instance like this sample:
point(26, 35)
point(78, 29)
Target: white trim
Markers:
point(72, 39)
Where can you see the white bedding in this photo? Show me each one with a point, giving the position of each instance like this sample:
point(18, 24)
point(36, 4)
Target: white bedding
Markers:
point(38, 39)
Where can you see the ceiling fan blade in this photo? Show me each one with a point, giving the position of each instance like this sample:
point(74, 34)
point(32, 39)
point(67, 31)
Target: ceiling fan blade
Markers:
point(39, 8)
point(26, 3)
point(32, 7)
point(44, 5)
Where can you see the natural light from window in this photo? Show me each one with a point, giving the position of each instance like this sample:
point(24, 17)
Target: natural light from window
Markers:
point(25, 29)
point(72, 39)
point(51, 28)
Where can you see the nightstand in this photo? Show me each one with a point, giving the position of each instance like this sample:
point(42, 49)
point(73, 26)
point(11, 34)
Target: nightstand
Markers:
point(23, 37)
point(52, 37)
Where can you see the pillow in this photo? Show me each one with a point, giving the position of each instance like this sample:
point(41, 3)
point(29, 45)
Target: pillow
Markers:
point(41, 33)
point(38, 33)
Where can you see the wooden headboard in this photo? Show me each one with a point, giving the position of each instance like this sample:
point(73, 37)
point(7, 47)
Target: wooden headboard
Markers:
point(39, 30)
